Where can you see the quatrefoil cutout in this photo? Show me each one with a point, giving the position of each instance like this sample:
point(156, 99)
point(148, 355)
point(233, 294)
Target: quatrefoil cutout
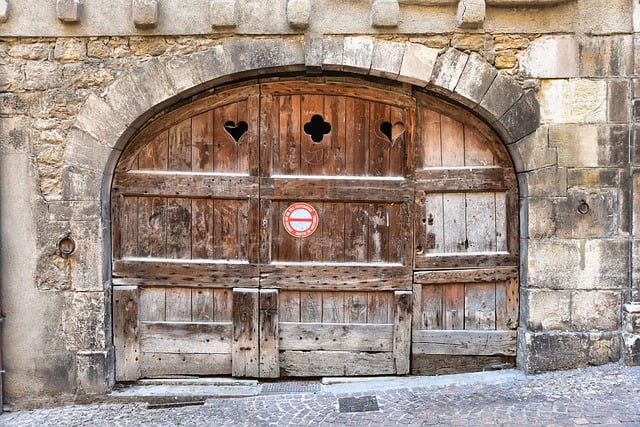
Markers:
point(236, 130)
point(317, 128)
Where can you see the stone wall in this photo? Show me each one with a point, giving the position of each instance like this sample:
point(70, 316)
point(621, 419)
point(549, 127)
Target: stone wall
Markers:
point(577, 171)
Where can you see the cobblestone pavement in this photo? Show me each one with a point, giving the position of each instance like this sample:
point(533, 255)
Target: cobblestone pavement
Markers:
point(606, 395)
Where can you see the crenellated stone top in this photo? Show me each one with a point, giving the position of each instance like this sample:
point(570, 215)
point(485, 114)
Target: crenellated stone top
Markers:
point(35, 18)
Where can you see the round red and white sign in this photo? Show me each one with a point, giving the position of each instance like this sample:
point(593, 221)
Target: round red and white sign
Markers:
point(300, 219)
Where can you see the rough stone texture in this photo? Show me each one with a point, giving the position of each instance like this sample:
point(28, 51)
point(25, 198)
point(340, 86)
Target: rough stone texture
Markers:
point(145, 13)
point(385, 13)
point(357, 55)
point(547, 310)
point(533, 152)
point(4, 10)
point(476, 78)
point(618, 101)
point(471, 13)
point(93, 371)
point(501, 95)
point(417, 64)
point(332, 50)
point(222, 13)
point(573, 101)
point(521, 119)
point(551, 57)
point(590, 145)
point(596, 310)
point(298, 13)
point(448, 69)
point(68, 10)
point(606, 56)
point(386, 59)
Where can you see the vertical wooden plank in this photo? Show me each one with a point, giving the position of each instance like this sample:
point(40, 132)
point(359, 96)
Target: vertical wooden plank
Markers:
point(269, 348)
point(479, 306)
point(400, 134)
point(477, 151)
point(356, 307)
point(417, 322)
point(453, 306)
point(513, 303)
point(501, 212)
point(379, 307)
point(501, 305)
point(152, 304)
point(202, 137)
point(286, 160)
point(454, 223)
point(245, 146)
point(429, 149)
point(481, 222)
point(202, 305)
point(311, 306)
point(222, 305)
point(433, 222)
point(225, 220)
point(155, 154)
point(335, 109)
point(333, 232)
point(357, 136)
point(452, 134)
point(178, 228)
point(378, 244)
point(284, 246)
point(152, 226)
point(245, 213)
point(244, 358)
point(356, 232)
point(225, 149)
point(263, 210)
point(311, 247)
point(379, 144)
point(268, 150)
point(431, 310)
point(289, 306)
point(402, 331)
point(202, 229)
point(179, 158)
point(333, 307)
point(400, 233)
point(311, 152)
point(128, 232)
point(125, 333)
point(178, 304)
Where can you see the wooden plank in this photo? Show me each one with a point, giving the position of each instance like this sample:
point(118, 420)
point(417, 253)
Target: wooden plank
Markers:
point(202, 137)
point(357, 159)
point(336, 336)
point(431, 309)
point(152, 304)
point(465, 276)
point(310, 306)
point(125, 333)
point(402, 331)
point(429, 146)
point(228, 244)
point(481, 222)
point(178, 304)
point(452, 133)
point(400, 139)
point(480, 306)
point(513, 303)
point(186, 185)
point(417, 321)
point(202, 305)
point(454, 306)
point(333, 307)
point(287, 123)
point(179, 158)
point(310, 276)
point(269, 333)
point(433, 223)
point(454, 221)
point(284, 246)
point(152, 226)
point(245, 346)
point(356, 232)
point(337, 189)
point(503, 216)
point(434, 364)
point(333, 241)
point(163, 272)
point(222, 305)
point(400, 233)
point(202, 229)
point(380, 307)
point(289, 306)
point(154, 156)
point(185, 338)
point(311, 152)
point(127, 235)
point(483, 343)
point(178, 228)
point(477, 151)
point(161, 365)
point(334, 163)
point(462, 260)
point(335, 363)
point(461, 179)
point(356, 307)
point(378, 245)
point(379, 144)
point(311, 246)
point(269, 154)
point(225, 146)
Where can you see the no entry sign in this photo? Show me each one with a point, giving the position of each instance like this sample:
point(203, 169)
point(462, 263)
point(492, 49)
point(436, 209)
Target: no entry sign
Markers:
point(300, 219)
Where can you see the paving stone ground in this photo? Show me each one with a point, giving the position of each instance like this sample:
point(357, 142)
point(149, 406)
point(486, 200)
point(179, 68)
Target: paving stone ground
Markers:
point(606, 395)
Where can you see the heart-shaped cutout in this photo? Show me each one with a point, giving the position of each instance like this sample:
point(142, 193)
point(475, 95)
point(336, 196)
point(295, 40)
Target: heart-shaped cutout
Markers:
point(393, 132)
point(236, 130)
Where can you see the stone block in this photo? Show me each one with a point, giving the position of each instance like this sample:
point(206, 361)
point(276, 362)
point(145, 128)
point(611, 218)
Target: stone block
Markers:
point(471, 13)
point(503, 93)
point(547, 310)
point(618, 100)
point(631, 318)
point(533, 152)
point(85, 263)
point(385, 13)
point(596, 310)
point(357, 55)
point(631, 349)
point(386, 59)
point(222, 13)
point(4, 11)
point(447, 70)
point(598, 17)
point(548, 351)
point(145, 13)
point(591, 145)
point(298, 13)
point(15, 135)
point(207, 67)
point(85, 210)
point(550, 57)
point(332, 50)
point(578, 264)
point(475, 80)
point(68, 10)
point(93, 372)
point(586, 178)
point(542, 218)
point(573, 101)
point(153, 82)
point(608, 56)
point(81, 184)
point(83, 326)
point(100, 121)
point(417, 64)
point(588, 213)
point(87, 152)
point(263, 54)
point(546, 182)
point(313, 53)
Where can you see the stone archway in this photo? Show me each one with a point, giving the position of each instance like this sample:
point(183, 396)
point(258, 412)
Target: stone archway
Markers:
point(106, 123)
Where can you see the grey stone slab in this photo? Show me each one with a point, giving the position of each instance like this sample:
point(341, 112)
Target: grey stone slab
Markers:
point(448, 69)
point(332, 50)
point(68, 10)
point(618, 96)
point(503, 93)
point(385, 13)
point(145, 13)
point(522, 119)
point(417, 64)
point(222, 13)
point(313, 53)
point(357, 54)
point(476, 78)
point(98, 119)
point(386, 59)
point(299, 13)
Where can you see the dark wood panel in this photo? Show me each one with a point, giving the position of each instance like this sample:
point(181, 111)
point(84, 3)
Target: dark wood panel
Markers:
point(335, 363)
point(269, 333)
point(460, 179)
point(245, 346)
point(438, 364)
point(481, 343)
point(186, 185)
point(457, 261)
point(465, 276)
point(125, 333)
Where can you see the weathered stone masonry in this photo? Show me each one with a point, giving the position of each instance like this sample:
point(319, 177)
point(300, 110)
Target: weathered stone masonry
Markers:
point(71, 97)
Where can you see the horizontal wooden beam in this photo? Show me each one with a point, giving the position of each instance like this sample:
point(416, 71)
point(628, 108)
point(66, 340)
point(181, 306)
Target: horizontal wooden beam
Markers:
point(336, 336)
point(438, 277)
point(185, 337)
point(457, 260)
point(335, 363)
point(480, 343)
point(460, 179)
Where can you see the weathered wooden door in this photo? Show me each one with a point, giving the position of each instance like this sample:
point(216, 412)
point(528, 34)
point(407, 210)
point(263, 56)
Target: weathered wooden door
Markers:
point(344, 291)
point(466, 246)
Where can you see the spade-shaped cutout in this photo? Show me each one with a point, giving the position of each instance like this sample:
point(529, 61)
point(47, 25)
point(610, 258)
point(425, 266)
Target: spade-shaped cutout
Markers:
point(236, 130)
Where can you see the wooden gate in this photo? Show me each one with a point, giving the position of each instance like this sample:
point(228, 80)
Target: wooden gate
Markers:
point(268, 231)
